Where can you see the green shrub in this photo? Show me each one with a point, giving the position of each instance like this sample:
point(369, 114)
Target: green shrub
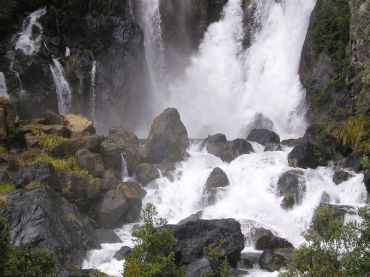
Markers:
point(6, 187)
point(333, 249)
point(153, 253)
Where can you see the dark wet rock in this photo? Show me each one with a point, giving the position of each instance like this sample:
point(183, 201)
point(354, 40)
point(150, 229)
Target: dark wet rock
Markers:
point(193, 237)
point(271, 261)
point(227, 151)
point(168, 138)
point(109, 180)
point(146, 173)
point(86, 273)
point(308, 155)
point(90, 161)
point(106, 236)
point(217, 179)
point(273, 147)
point(7, 117)
point(367, 181)
point(263, 136)
point(45, 220)
point(249, 260)
point(51, 118)
point(120, 205)
point(291, 186)
point(325, 198)
point(122, 253)
point(41, 172)
point(266, 240)
point(199, 268)
point(291, 142)
point(340, 176)
point(167, 169)
point(191, 218)
point(71, 146)
point(353, 162)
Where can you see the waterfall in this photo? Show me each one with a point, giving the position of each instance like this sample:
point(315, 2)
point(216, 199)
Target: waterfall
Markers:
point(29, 41)
point(3, 89)
point(124, 170)
point(63, 90)
point(92, 90)
point(150, 20)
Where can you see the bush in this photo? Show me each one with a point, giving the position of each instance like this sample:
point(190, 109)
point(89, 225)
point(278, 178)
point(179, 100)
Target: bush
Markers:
point(24, 261)
point(333, 249)
point(153, 254)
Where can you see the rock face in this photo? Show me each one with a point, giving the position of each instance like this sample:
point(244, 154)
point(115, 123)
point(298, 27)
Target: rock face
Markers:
point(263, 136)
point(272, 260)
point(41, 172)
point(122, 253)
point(291, 185)
point(40, 217)
point(193, 237)
point(340, 176)
point(7, 117)
point(307, 155)
point(199, 268)
point(367, 181)
point(227, 150)
point(120, 205)
point(71, 146)
point(168, 138)
point(145, 173)
point(90, 161)
point(217, 179)
point(266, 240)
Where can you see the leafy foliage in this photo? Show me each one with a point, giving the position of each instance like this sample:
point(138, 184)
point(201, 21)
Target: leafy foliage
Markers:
point(24, 261)
point(333, 249)
point(153, 253)
point(355, 133)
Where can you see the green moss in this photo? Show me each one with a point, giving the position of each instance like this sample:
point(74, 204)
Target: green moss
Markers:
point(6, 188)
point(46, 140)
point(35, 185)
point(61, 165)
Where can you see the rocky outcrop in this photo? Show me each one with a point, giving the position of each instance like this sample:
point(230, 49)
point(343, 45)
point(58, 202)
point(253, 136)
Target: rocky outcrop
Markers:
point(120, 205)
point(263, 136)
point(78, 124)
point(71, 146)
point(217, 179)
point(227, 151)
point(41, 172)
point(44, 220)
point(90, 161)
point(266, 240)
point(340, 176)
point(146, 173)
point(168, 138)
point(291, 186)
point(274, 260)
point(122, 253)
point(194, 237)
point(7, 117)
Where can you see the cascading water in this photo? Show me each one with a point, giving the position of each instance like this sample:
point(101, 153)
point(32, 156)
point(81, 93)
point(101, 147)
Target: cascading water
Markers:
point(64, 93)
point(92, 90)
point(3, 89)
point(224, 89)
point(29, 41)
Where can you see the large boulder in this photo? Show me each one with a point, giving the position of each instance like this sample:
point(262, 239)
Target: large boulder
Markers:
point(145, 173)
point(120, 205)
point(217, 179)
point(227, 151)
point(44, 220)
point(340, 176)
point(291, 185)
point(40, 172)
point(71, 146)
point(199, 268)
point(272, 260)
point(168, 138)
point(122, 253)
point(78, 124)
point(192, 239)
point(7, 117)
point(90, 161)
point(308, 155)
point(266, 240)
point(263, 136)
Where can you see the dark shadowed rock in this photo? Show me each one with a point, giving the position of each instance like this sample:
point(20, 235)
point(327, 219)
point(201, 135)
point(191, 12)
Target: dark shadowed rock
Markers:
point(145, 173)
point(122, 253)
point(106, 236)
point(193, 237)
point(367, 181)
point(45, 220)
point(308, 155)
point(291, 142)
point(292, 186)
point(340, 176)
point(51, 118)
point(71, 146)
point(353, 162)
point(271, 261)
point(266, 240)
point(263, 136)
point(41, 172)
point(168, 138)
point(199, 268)
point(90, 161)
point(217, 179)
point(7, 117)
point(273, 147)
point(191, 218)
point(120, 205)
point(227, 151)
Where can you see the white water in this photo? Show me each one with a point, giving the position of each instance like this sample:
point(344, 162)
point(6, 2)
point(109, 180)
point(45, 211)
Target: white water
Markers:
point(124, 170)
point(92, 90)
point(3, 88)
point(29, 41)
point(222, 91)
point(64, 93)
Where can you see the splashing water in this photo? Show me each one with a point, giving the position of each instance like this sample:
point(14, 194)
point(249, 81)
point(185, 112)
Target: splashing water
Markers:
point(29, 41)
point(3, 89)
point(124, 170)
point(92, 90)
point(63, 90)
